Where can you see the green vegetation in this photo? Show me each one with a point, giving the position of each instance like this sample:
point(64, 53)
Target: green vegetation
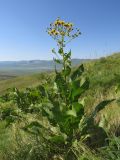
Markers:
point(22, 82)
point(72, 114)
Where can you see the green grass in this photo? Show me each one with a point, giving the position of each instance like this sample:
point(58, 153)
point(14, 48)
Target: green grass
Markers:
point(21, 82)
point(104, 75)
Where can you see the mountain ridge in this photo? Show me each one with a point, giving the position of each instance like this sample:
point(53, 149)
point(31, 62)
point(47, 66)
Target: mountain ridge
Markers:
point(24, 67)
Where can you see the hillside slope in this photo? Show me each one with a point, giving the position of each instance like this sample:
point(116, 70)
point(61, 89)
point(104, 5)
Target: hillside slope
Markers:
point(103, 73)
point(11, 69)
point(21, 82)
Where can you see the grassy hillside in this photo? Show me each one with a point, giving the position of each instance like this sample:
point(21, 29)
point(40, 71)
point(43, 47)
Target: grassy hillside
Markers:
point(21, 82)
point(103, 73)
point(104, 76)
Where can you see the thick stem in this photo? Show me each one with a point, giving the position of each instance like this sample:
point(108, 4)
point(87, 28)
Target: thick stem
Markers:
point(63, 58)
point(64, 65)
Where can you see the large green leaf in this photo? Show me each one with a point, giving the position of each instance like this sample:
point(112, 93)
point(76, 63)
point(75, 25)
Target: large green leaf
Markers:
point(77, 110)
point(78, 90)
point(58, 114)
point(78, 72)
point(61, 84)
point(75, 84)
point(101, 106)
point(67, 71)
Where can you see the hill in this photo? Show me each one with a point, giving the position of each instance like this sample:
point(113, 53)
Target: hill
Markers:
point(11, 69)
point(21, 82)
point(104, 75)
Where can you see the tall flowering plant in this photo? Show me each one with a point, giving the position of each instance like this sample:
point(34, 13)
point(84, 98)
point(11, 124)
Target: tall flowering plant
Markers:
point(60, 102)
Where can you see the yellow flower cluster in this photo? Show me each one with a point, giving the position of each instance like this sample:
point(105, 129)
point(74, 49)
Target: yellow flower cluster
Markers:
point(63, 32)
point(59, 22)
point(62, 23)
point(53, 32)
point(60, 27)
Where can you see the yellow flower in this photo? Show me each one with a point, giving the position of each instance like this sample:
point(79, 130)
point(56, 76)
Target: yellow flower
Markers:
point(62, 33)
point(66, 25)
point(62, 22)
point(49, 32)
point(56, 33)
point(58, 22)
point(70, 24)
point(52, 31)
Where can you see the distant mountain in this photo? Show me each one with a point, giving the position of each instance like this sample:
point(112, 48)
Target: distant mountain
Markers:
point(103, 73)
point(31, 66)
point(41, 63)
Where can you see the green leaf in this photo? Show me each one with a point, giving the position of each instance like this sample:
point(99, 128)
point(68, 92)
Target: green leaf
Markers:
point(78, 72)
point(10, 120)
point(101, 106)
point(71, 113)
point(75, 84)
point(67, 71)
point(68, 55)
point(33, 128)
point(85, 84)
point(61, 84)
point(77, 90)
point(34, 123)
point(117, 89)
point(78, 108)
point(76, 94)
point(57, 139)
point(42, 90)
point(53, 51)
point(82, 102)
point(60, 51)
point(58, 61)
point(47, 111)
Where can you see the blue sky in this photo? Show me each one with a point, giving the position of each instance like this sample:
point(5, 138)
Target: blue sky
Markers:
point(23, 26)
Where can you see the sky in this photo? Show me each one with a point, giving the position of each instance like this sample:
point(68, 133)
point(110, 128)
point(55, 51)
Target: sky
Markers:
point(23, 26)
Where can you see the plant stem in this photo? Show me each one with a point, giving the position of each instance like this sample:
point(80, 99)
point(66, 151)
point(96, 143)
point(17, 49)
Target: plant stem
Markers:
point(63, 58)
